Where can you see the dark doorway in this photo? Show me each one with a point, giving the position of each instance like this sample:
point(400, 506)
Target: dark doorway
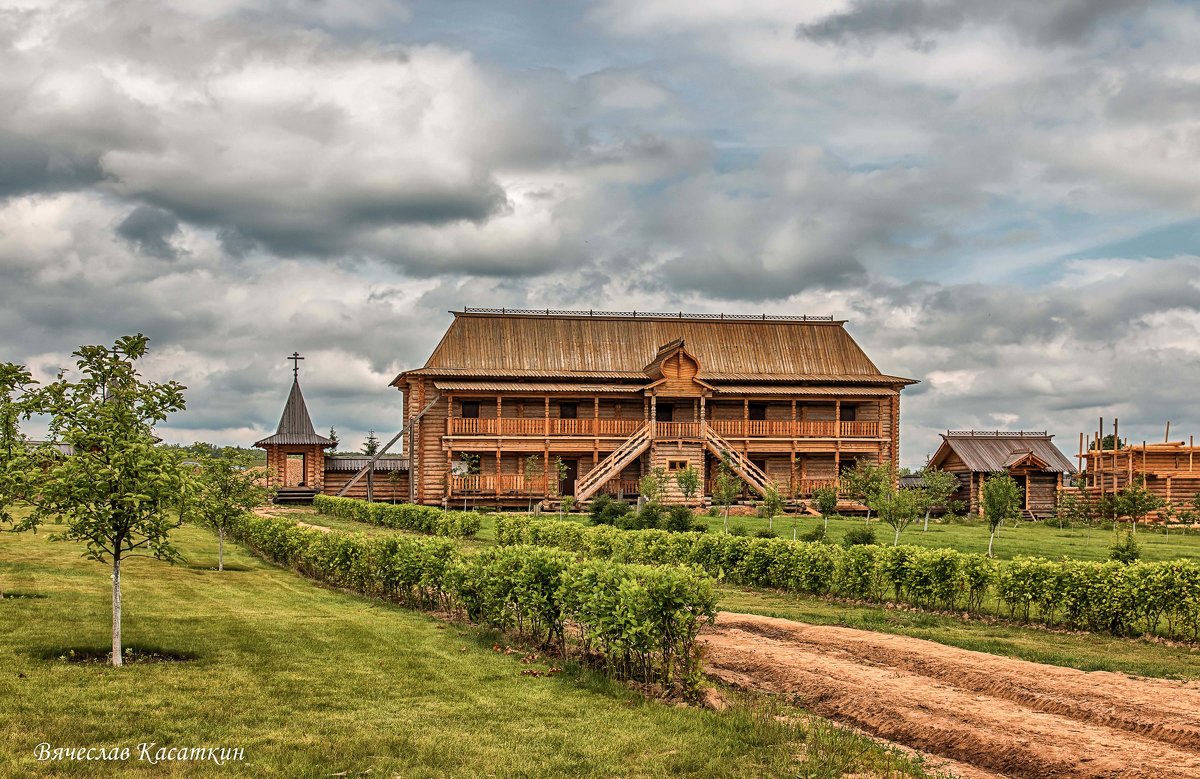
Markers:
point(762, 464)
point(568, 485)
point(568, 411)
point(849, 413)
point(758, 411)
point(470, 409)
point(665, 412)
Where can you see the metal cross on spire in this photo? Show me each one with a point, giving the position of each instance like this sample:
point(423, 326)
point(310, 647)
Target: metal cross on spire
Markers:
point(296, 358)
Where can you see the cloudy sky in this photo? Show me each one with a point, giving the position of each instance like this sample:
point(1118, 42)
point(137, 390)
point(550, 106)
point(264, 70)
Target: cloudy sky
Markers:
point(1003, 199)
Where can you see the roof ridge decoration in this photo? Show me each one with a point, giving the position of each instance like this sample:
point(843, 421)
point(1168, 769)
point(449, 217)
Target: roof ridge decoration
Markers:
point(718, 317)
point(998, 434)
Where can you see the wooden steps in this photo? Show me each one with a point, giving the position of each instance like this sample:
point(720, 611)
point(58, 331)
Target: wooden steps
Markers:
point(294, 496)
point(610, 467)
point(741, 465)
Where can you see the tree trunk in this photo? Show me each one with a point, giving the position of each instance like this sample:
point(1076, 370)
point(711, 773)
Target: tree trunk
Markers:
point(221, 549)
point(927, 520)
point(117, 659)
point(990, 540)
point(726, 520)
point(826, 518)
point(896, 540)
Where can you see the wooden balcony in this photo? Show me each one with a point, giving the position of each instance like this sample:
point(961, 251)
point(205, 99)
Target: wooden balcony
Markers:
point(787, 428)
point(603, 428)
point(623, 428)
point(515, 485)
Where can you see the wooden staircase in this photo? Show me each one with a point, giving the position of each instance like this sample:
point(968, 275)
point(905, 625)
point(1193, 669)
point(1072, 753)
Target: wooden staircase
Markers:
point(741, 465)
point(610, 467)
point(294, 496)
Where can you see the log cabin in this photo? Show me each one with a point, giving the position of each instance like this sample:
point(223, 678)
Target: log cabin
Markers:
point(507, 395)
point(1031, 458)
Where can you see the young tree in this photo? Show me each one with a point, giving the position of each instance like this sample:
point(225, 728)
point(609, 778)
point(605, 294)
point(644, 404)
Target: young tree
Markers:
point(653, 486)
point(772, 506)
point(15, 465)
point(899, 509)
point(560, 474)
point(825, 501)
point(688, 480)
point(1136, 502)
point(468, 465)
point(532, 469)
point(226, 488)
point(1002, 498)
point(117, 492)
point(938, 486)
point(333, 436)
point(371, 446)
point(1076, 507)
point(394, 478)
point(866, 481)
point(726, 487)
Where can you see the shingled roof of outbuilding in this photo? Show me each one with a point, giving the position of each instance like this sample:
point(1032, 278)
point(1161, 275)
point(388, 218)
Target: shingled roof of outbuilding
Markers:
point(600, 345)
point(295, 425)
point(990, 451)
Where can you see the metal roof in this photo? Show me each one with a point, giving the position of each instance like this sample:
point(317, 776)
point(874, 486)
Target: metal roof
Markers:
point(533, 386)
point(571, 344)
point(355, 464)
point(988, 451)
point(295, 426)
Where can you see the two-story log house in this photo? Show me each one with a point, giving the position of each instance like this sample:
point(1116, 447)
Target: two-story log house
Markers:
point(789, 400)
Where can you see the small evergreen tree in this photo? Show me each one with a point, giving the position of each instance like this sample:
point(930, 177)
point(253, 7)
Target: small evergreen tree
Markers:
point(371, 445)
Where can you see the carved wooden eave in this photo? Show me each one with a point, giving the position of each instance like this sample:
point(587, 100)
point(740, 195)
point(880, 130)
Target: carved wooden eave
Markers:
point(674, 369)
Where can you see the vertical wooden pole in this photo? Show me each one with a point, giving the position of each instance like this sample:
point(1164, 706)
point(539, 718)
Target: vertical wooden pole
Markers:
point(1191, 451)
point(837, 418)
point(547, 417)
point(745, 416)
point(793, 425)
point(499, 474)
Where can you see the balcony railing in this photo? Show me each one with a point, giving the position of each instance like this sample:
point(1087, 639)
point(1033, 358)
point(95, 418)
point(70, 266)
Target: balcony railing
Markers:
point(622, 428)
point(676, 429)
point(480, 484)
point(539, 426)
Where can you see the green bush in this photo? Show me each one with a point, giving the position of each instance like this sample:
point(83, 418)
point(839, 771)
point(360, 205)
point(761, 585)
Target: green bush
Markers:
point(402, 516)
point(765, 532)
point(814, 535)
point(1124, 547)
point(1159, 598)
point(643, 619)
point(679, 519)
point(859, 535)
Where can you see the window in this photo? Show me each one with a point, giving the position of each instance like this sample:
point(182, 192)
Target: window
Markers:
point(664, 412)
point(849, 413)
point(676, 465)
point(758, 411)
point(470, 409)
point(568, 411)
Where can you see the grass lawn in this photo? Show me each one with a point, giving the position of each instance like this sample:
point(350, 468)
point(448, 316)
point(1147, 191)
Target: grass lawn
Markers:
point(313, 682)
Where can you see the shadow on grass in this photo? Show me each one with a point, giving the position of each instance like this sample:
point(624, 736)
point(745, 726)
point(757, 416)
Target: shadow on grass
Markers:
point(227, 569)
point(93, 655)
point(15, 595)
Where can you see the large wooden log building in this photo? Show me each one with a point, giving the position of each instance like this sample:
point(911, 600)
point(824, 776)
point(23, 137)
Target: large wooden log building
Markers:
point(786, 400)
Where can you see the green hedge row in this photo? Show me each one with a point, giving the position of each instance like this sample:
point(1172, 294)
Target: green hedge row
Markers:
point(1146, 597)
point(643, 619)
point(402, 516)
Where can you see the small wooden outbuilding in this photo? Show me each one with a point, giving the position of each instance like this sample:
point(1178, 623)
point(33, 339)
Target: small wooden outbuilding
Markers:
point(1029, 457)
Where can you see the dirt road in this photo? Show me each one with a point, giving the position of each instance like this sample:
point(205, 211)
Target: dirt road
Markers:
point(989, 716)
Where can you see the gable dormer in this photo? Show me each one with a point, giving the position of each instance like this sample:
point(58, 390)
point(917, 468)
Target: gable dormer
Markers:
point(673, 371)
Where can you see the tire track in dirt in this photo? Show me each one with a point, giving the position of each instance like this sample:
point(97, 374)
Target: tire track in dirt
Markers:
point(1008, 717)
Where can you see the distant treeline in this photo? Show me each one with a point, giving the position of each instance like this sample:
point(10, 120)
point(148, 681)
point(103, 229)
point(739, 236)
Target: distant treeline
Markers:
point(201, 450)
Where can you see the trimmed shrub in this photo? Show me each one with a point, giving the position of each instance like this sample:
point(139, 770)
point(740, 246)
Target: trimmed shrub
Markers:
point(1160, 598)
point(429, 520)
point(644, 619)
